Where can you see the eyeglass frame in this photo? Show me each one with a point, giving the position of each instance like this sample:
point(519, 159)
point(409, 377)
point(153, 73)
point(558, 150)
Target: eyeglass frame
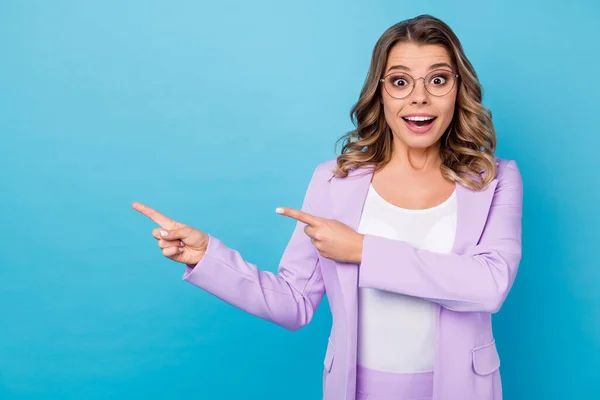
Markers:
point(456, 76)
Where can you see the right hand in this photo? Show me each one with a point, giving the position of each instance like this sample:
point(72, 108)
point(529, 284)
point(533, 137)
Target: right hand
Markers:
point(182, 243)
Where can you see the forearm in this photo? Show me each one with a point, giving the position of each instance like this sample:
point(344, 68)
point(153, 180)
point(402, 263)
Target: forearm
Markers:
point(283, 298)
point(479, 281)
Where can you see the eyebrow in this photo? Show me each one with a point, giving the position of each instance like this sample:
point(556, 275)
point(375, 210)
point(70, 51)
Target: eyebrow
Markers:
point(433, 66)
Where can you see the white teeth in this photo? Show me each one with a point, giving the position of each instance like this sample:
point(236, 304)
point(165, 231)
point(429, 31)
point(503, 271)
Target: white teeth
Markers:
point(419, 118)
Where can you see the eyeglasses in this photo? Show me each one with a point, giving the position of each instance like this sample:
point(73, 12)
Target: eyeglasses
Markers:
point(400, 84)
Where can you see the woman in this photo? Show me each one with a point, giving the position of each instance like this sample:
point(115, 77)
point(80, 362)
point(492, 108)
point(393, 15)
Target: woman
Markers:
point(414, 232)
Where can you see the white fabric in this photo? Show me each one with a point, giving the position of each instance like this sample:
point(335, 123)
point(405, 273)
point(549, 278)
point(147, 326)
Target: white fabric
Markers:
point(396, 333)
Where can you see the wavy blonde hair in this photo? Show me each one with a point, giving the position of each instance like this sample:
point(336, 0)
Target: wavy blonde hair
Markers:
point(466, 148)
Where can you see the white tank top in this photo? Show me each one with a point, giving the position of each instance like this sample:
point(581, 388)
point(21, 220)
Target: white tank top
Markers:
point(396, 333)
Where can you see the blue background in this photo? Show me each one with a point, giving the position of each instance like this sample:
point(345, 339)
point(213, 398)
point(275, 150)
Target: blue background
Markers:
point(215, 113)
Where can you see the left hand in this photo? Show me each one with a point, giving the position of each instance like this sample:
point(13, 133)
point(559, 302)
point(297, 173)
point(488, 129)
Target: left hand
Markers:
point(333, 239)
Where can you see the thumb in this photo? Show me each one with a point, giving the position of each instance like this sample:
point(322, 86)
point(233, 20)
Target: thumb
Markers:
point(175, 234)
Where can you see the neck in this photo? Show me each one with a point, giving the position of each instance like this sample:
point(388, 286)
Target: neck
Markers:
point(422, 160)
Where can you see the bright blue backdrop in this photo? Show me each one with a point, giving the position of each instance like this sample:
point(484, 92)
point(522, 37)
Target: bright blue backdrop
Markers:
point(217, 112)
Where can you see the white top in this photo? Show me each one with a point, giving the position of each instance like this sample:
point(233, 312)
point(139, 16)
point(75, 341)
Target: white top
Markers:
point(396, 333)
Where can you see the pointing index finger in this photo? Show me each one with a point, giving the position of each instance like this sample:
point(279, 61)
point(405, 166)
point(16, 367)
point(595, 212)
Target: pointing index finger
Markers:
point(154, 215)
point(299, 215)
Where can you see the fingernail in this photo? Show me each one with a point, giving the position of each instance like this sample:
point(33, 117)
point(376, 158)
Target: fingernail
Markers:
point(180, 249)
point(279, 210)
point(182, 244)
point(163, 233)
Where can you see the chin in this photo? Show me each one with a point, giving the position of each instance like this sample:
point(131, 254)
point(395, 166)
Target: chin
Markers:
point(420, 141)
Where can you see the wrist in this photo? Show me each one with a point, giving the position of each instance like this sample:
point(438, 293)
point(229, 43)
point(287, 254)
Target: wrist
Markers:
point(359, 248)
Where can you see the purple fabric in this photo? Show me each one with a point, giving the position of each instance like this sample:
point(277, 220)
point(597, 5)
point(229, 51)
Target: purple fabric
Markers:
point(467, 285)
point(380, 385)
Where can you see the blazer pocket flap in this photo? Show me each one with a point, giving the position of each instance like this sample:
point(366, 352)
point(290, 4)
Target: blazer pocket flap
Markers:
point(329, 354)
point(486, 359)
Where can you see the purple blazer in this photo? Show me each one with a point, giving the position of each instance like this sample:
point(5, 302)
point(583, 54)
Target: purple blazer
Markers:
point(468, 285)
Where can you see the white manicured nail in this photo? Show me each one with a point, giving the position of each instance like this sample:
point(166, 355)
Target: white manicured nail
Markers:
point(163, 233)
point(180, 250)
point(279, 210)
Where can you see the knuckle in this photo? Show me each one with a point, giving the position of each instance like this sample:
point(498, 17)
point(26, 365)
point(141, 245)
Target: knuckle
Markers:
point(164, 244)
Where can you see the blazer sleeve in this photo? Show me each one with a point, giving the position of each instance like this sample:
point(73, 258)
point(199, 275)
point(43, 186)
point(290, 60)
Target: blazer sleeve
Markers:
point(288, 298)
point(476, 281)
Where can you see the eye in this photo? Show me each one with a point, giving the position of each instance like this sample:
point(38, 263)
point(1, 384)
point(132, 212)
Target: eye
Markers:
point(439, 79)
point(399, 81)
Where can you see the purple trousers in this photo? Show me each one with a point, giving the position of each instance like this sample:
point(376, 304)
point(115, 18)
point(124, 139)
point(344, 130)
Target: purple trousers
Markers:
point(379, 385)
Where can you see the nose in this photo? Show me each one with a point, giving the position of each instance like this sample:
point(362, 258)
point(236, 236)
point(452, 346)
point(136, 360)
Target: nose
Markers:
point(419, 94)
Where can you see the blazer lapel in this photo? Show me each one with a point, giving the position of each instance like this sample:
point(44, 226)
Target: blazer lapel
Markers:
point(349, 196)
point(472, 212)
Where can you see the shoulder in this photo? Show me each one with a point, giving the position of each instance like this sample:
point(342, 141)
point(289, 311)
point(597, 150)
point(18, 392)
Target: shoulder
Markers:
point(325, 170)
point(321, 174)
point(508, 174)
point(315, 200)
point(327, 166)
point(504, 164)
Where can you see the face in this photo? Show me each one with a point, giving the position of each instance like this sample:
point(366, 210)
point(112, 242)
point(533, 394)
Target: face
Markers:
point(420, 119)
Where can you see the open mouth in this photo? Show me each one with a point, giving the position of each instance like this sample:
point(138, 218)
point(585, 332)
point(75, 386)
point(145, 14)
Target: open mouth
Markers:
point(419, 122)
